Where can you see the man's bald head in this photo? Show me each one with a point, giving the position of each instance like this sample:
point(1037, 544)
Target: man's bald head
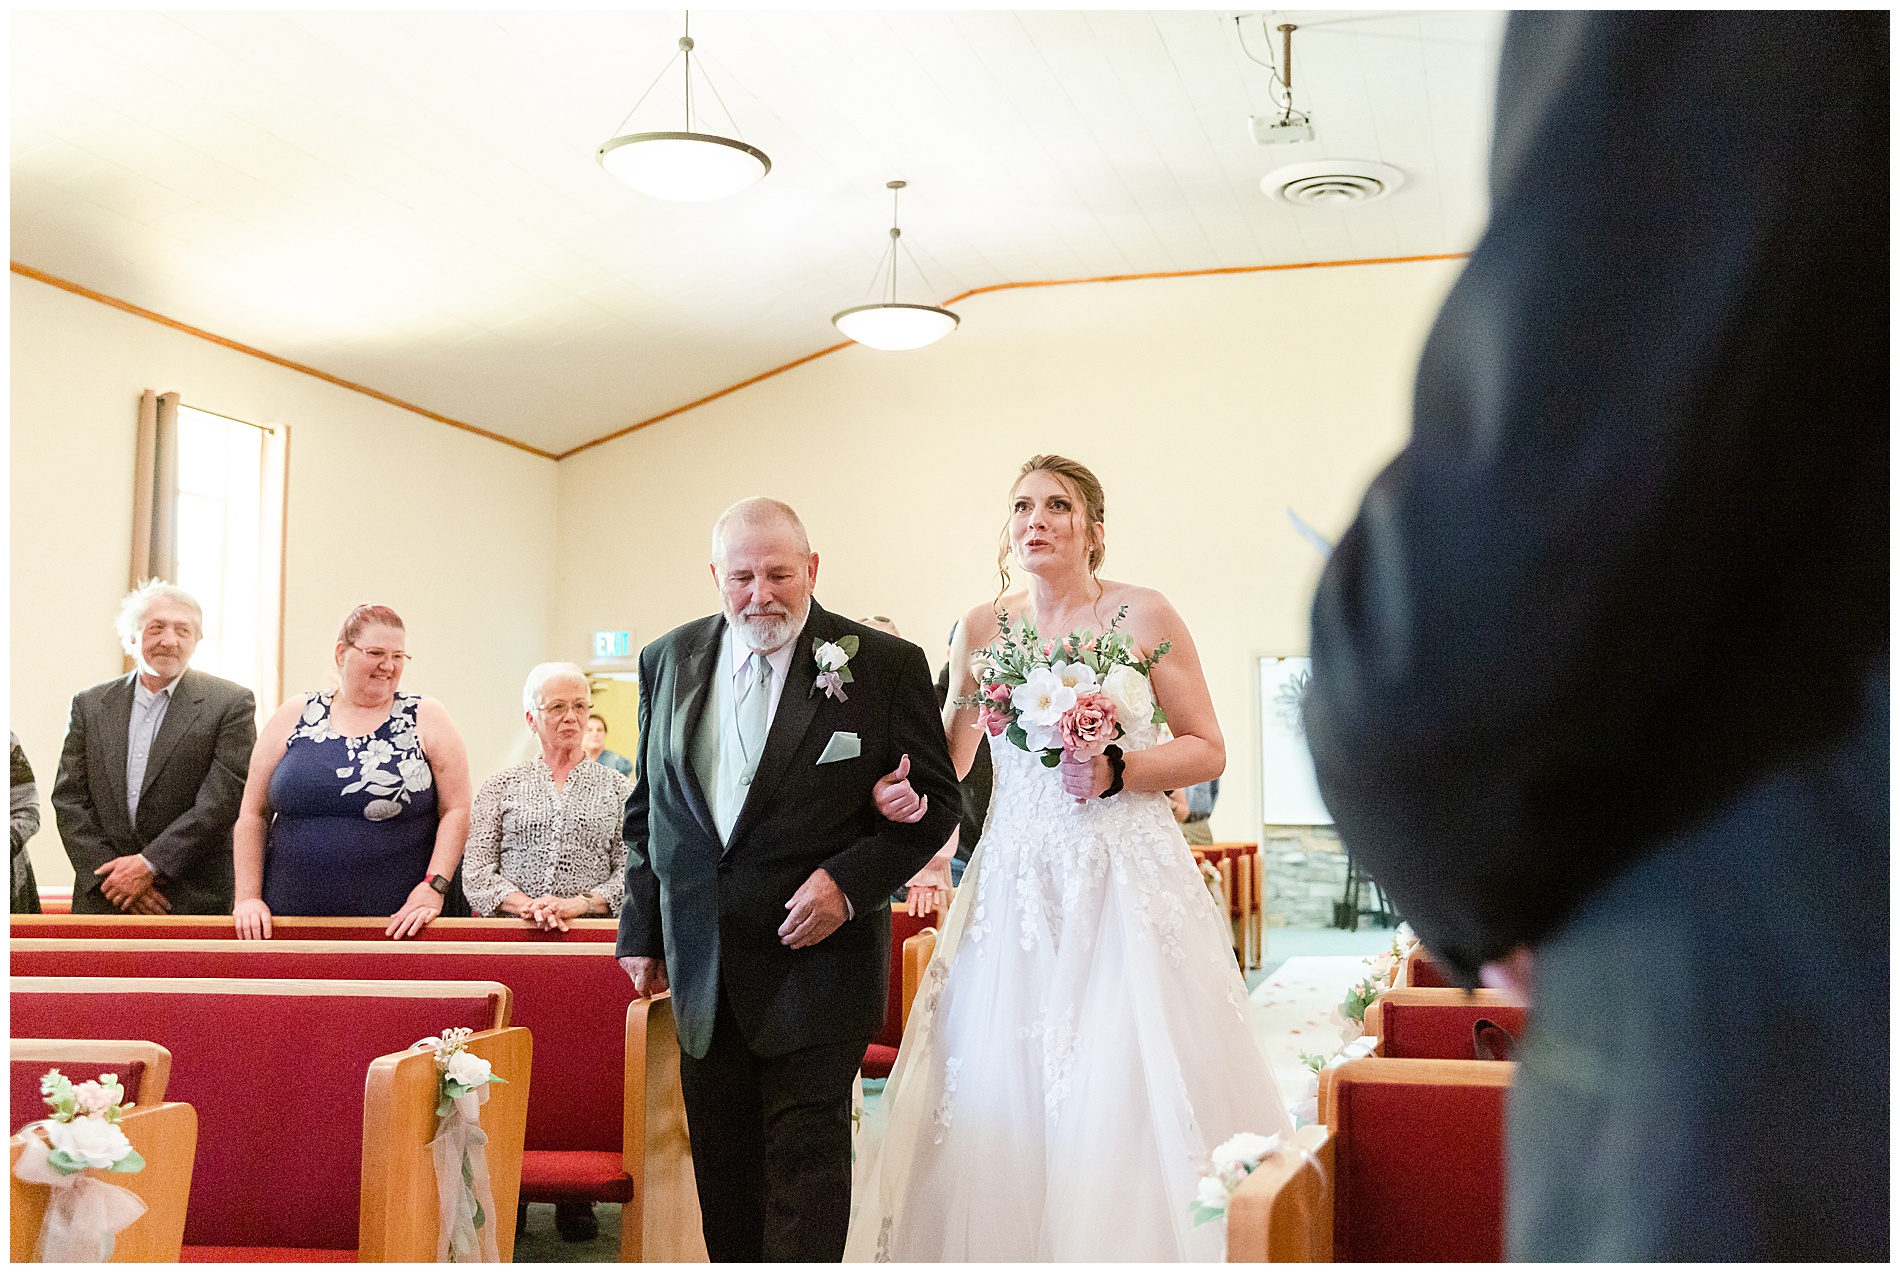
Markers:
point(759, 513)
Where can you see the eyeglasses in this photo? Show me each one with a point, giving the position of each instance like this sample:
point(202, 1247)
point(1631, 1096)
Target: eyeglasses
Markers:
point(379, 656)
point(566, 709)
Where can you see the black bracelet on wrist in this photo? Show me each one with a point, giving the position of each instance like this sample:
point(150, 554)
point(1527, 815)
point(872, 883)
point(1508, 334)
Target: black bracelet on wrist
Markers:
point(1117, 767)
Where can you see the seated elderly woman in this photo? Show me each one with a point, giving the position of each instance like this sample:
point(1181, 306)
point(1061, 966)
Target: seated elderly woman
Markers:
point(544, 837)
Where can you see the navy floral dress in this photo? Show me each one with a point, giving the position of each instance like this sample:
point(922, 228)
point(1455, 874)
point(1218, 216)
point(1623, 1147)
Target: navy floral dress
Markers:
point(355, 818)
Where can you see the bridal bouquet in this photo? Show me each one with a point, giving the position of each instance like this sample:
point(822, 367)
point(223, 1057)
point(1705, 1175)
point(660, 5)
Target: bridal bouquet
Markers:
point(1069, 698)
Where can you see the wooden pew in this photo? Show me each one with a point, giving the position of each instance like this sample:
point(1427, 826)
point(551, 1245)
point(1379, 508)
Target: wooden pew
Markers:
point(1283, 1212)
point(1418, 1159)
point(1420, 973)
point(277, 1071)
point(906, 929)
point(660, 1222)
point(1436, 1024)
point(296, 928)
point(143, 1068)
point(573, 997)
point(166, 1136)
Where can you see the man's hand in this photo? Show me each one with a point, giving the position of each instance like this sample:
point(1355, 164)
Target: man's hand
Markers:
point(648, 975)
point(125, 879)
point(817, 909)
point(150, 902)
point(894, 797)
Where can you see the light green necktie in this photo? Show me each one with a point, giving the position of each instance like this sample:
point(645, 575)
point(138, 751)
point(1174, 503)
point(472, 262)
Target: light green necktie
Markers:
point(755, 702)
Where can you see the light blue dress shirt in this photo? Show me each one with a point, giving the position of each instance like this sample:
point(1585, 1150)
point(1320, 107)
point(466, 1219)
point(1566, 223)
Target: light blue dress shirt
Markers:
point(148, 714)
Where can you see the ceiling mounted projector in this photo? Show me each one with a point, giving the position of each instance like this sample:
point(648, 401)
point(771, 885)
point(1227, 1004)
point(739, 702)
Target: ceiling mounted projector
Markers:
point(1326, 183)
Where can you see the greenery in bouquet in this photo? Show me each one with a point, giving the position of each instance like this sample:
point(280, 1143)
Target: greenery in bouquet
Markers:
point(84, 1130)
point(1070, 697)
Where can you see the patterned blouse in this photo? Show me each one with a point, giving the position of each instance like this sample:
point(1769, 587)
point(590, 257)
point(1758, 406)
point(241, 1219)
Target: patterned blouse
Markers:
point(525, 836)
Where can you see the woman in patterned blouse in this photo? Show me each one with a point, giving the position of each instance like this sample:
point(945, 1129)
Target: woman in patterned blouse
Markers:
point(544, 837)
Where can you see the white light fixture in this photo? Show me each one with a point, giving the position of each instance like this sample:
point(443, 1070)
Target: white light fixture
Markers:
point(889, 324)
point(684, 166)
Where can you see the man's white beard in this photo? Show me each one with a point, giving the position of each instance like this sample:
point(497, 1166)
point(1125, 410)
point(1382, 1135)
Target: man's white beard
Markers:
point(767, 633)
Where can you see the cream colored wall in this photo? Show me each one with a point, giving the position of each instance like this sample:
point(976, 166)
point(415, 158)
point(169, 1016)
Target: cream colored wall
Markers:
point(1208, 407)
point(454, 531)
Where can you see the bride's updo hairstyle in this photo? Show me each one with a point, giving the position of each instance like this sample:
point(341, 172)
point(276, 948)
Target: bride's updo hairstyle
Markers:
point(1082, 487)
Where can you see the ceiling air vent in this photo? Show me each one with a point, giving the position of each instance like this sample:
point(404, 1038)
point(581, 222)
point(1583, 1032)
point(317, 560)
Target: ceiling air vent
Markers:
point(1332, 183)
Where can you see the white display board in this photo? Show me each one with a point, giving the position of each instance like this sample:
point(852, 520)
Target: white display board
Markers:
point(1289, 793)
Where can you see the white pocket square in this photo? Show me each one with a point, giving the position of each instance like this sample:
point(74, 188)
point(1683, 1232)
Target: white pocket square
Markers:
point(843, 746)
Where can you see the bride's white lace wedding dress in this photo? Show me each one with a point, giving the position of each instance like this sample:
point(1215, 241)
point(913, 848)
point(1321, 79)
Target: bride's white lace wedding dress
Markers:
point(1081, 1041)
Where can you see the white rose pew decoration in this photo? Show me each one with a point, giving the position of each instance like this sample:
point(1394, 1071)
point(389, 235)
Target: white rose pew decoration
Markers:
point(466, 1201)
point(1234, 1159)
point(84, 1215)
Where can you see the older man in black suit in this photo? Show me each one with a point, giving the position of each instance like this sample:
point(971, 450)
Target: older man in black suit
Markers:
point(759, 872)
point(1600, 673)
point(153, 771)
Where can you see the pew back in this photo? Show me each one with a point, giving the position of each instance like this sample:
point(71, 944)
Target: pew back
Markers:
point(1283, 1212)
point(143, 1069)
point(166, 1136)
point(1436, 1024)
point(1420, 973)
point(276, 1071)
point(1418, 1160)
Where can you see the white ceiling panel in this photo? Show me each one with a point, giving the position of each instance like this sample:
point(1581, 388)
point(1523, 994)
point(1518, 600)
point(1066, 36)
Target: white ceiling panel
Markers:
point(411, 200)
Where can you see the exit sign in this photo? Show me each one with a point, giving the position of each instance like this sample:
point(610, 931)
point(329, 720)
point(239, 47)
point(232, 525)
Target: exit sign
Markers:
point(612, 645)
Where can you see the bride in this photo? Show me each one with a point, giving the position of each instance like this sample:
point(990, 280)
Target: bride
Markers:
point(1081, 1041)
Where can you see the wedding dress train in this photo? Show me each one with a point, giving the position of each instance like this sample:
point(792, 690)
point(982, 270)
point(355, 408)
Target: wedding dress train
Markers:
point(1081, 1042)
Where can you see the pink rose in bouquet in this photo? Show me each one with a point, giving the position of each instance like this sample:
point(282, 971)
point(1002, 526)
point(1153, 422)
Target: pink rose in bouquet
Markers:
point(993, 716)
point(1087, 728)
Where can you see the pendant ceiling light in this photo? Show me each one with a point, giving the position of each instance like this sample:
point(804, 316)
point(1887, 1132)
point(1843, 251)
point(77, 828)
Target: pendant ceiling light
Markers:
point(889, 324)
point(684, 166)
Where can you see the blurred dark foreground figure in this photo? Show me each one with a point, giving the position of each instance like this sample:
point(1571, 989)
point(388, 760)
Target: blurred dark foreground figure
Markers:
point(1600, 684)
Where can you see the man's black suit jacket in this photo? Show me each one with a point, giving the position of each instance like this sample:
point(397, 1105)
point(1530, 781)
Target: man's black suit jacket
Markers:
point(713, 911)
point(194, 782)
point(1635, 554)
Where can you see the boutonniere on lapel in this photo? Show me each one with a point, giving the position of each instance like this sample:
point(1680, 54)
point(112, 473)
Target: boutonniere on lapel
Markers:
point(834, 660)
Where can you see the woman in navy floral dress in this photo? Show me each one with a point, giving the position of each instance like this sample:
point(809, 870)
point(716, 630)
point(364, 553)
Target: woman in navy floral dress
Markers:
point(358, 798)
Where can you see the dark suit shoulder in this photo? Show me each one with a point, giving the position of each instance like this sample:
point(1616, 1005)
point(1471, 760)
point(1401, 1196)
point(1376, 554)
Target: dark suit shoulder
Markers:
point(96, 694)
point(683, 637)
point(215, 688)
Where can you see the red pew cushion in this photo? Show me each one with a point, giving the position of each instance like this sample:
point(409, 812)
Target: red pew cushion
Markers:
point(555, 1176)
point(263, 1255)
point(28, 1106)
point(879, 1060)
point(1419, 1170)
point(574, 1004)
point(1439, 1031)
point(277, 1081)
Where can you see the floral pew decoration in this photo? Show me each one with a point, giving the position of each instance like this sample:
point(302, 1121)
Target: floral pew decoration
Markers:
point(1350, 1016)
point(85, 1215)
point(1233, 1160)
point(467, 1202)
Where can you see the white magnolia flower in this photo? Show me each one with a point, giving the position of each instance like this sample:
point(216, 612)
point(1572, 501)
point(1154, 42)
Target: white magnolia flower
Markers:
point(1041, 699)
point(831, 656)
point(1212, 1193)
point(1244, 1149)
point(92, 1142)
point(415, 773)
point(468, 1069)
point(1133, 696)
point(1079, 677)
point(91, 1100)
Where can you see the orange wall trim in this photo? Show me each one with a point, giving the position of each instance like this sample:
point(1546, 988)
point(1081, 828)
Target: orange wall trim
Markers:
point(78, 290)
point(1005, 287)
point(53, 280)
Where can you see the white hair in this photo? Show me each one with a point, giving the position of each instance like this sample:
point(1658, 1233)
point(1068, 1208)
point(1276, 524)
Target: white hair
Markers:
point(541, 674)
point(759, 510)
point(132, 610)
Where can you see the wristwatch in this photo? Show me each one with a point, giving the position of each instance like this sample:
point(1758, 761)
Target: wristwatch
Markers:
point(1117, 766)
point(440, 883)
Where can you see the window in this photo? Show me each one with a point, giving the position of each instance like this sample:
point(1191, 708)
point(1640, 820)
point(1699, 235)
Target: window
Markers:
point(216, 519)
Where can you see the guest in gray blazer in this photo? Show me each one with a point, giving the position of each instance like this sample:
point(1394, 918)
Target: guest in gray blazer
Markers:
point(153, 770)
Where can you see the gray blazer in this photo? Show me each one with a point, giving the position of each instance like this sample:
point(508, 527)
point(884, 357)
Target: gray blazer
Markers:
point(194, 782)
